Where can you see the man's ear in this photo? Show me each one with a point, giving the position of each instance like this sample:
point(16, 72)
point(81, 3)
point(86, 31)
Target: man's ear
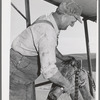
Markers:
point(64, 18)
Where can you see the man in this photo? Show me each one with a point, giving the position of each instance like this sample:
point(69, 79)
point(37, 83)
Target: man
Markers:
point(40, 39)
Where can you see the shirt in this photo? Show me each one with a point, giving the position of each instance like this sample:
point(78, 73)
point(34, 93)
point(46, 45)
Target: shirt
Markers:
point(40, 38)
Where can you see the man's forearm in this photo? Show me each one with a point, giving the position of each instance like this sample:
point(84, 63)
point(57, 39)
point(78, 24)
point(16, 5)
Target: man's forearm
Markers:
point(59, 79)
point(63, 58)
point(59, 55)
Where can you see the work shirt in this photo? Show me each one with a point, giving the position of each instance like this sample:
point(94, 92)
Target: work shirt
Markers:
point(40, 38)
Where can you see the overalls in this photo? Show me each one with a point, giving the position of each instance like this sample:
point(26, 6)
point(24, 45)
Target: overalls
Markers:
point(23, 72)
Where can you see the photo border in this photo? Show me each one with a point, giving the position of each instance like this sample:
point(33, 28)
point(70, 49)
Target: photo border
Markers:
point(1, 50)
point(99, 49)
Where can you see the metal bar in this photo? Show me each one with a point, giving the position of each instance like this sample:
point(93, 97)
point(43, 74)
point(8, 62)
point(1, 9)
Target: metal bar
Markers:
point(33, 87)
point(88, 56)
point(1, 47)
point(53, 2)
point(43, 83)
point(27, 9)
point(18, 11)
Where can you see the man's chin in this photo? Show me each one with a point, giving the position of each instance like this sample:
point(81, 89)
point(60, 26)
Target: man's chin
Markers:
point(71, 25)
point(65, 28)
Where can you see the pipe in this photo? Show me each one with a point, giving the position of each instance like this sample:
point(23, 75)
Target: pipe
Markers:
point(88, 55)
point(18, 11)
point(27, 9)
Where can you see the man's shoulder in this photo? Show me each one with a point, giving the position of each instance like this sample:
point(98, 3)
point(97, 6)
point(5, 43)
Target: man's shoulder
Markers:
point(44, 24)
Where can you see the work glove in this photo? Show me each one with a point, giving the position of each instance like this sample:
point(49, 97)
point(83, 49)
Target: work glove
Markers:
point(69, 60)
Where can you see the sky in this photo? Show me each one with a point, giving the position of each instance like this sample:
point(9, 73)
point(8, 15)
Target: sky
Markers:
point(71, 41)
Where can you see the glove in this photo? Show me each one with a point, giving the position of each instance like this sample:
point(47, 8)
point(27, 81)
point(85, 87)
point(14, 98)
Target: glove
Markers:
point(69, 60)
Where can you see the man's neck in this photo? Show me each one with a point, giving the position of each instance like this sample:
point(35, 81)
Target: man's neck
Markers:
point(56, 19)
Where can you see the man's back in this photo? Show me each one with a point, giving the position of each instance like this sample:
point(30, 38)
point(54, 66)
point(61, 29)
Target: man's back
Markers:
point(27, 42)
point(24, 43)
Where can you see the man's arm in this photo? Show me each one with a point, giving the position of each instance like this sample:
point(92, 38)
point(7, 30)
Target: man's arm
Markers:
point(50, 71)
point(48, 67)
point(47, 53)
point(61, 57)
point(48, 63)
point(60, 80)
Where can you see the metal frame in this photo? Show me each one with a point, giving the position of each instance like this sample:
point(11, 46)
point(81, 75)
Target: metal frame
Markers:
point(27, 9)
point(88, 56)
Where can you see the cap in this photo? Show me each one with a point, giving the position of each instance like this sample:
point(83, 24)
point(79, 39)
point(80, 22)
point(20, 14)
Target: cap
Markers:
point(71, 8)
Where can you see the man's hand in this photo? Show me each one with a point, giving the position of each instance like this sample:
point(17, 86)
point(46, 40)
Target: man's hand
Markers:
point(62, 57)
point(60, 80)
point(69, 60)
point(65, 58)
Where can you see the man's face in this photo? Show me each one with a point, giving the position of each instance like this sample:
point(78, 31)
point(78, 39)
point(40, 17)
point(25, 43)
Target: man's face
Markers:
point(67, 21)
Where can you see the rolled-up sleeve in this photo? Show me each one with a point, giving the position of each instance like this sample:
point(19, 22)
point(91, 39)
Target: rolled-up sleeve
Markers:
point(46, 46)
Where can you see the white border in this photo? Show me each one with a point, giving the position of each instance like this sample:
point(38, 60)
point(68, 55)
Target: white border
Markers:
point(97, 56)
point(5, 48)
point(6, 10)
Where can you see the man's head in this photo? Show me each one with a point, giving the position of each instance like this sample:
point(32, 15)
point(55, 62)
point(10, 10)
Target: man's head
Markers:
point(67, 14)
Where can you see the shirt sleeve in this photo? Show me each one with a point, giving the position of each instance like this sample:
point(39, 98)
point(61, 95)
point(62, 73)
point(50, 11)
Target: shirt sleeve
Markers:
point(47, 45)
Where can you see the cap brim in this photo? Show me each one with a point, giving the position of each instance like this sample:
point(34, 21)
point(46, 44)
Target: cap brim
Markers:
point(78, 18)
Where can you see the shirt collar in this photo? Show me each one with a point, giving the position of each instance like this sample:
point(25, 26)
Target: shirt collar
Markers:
point(52, 20)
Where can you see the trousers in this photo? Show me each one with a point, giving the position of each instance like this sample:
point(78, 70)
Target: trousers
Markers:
point(23, 72)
